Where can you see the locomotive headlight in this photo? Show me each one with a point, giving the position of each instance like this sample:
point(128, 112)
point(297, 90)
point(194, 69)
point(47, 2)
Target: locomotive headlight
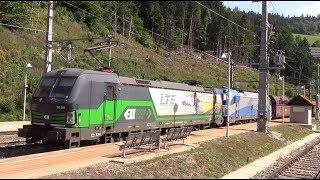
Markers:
point(71, 119)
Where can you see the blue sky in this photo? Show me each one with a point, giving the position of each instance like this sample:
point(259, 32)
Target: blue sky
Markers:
point(286, 8)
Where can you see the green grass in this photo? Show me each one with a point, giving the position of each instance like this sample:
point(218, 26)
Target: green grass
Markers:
point(316, 122)
point(311, 38)
point(212, 159)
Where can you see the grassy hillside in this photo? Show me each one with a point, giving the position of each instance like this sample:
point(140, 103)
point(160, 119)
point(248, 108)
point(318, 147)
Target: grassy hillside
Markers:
point(19, 47)
point(311, 38)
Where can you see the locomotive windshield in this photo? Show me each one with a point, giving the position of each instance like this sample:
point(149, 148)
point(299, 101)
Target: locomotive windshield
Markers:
point(45, 87)
point(55, 87)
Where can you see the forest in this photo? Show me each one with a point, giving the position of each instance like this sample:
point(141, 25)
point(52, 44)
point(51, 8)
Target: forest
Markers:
point(193, 26)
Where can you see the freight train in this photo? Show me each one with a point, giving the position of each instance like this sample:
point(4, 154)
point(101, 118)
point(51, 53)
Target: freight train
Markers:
point(72, 106)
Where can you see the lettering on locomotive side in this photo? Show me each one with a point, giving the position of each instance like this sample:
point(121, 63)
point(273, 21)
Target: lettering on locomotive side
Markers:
point(95, 134)
point(61, 107)
point(167, 99)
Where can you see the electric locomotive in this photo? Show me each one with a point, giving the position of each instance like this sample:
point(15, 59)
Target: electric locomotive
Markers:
point(74, 105)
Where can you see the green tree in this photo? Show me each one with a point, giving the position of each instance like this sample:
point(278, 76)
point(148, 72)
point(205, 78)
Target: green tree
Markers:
point(304, 62)
point(15, 13)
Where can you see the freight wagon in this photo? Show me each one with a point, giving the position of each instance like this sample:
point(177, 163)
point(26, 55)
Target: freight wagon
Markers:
point(277, 104)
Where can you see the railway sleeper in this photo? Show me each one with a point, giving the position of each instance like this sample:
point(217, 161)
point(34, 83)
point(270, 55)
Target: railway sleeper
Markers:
point(315, 162)
point(299, 174)
point(290, 176)
point(313, 166)
point(299, 171)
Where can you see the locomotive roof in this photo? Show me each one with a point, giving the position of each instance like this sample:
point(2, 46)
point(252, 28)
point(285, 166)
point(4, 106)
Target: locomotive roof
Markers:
point(74, 72)
point(130, 81)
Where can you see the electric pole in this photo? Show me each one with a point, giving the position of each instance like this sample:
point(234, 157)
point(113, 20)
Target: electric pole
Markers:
point(263, 77)
point(48, 58)
point(317, 99)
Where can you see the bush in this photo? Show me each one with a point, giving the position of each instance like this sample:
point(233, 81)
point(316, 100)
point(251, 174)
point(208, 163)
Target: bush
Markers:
point(1, 29)
point(99, 28)
point(7, 105)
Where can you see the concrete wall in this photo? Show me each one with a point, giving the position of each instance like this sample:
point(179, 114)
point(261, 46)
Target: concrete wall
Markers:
point(301, 114)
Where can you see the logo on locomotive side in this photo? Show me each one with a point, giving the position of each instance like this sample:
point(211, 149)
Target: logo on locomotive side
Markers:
point(95, 134)
point(130, 114)
point(46, 117)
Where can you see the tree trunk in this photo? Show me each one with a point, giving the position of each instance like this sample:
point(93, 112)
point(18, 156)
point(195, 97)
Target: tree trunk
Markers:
point(115, 21)
point(299, 81)
point(130, 27)
point(123, 25)
point(225, 43)
point(182, 37)
point(220, 46)
point(217, 48)
point(190, 33)
point(152, 34)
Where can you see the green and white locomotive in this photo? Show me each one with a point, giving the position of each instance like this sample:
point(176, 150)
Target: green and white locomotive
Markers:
point(75, 105)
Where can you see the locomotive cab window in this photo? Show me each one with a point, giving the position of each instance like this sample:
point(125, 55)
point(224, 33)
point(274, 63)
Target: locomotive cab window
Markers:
point(45, 87)
point(63, 87)
point(110, 92)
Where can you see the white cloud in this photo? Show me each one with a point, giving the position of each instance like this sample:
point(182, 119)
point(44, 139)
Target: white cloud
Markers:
point(310, 9)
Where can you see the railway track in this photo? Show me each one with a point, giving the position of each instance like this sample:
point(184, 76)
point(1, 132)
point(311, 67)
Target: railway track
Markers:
point(10, 138)
point(3, 133)
point(303, 165)
point(26, 149)
point(12, 143)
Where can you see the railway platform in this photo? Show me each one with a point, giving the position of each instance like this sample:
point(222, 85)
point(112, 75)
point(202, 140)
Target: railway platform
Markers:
point(12, 125)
